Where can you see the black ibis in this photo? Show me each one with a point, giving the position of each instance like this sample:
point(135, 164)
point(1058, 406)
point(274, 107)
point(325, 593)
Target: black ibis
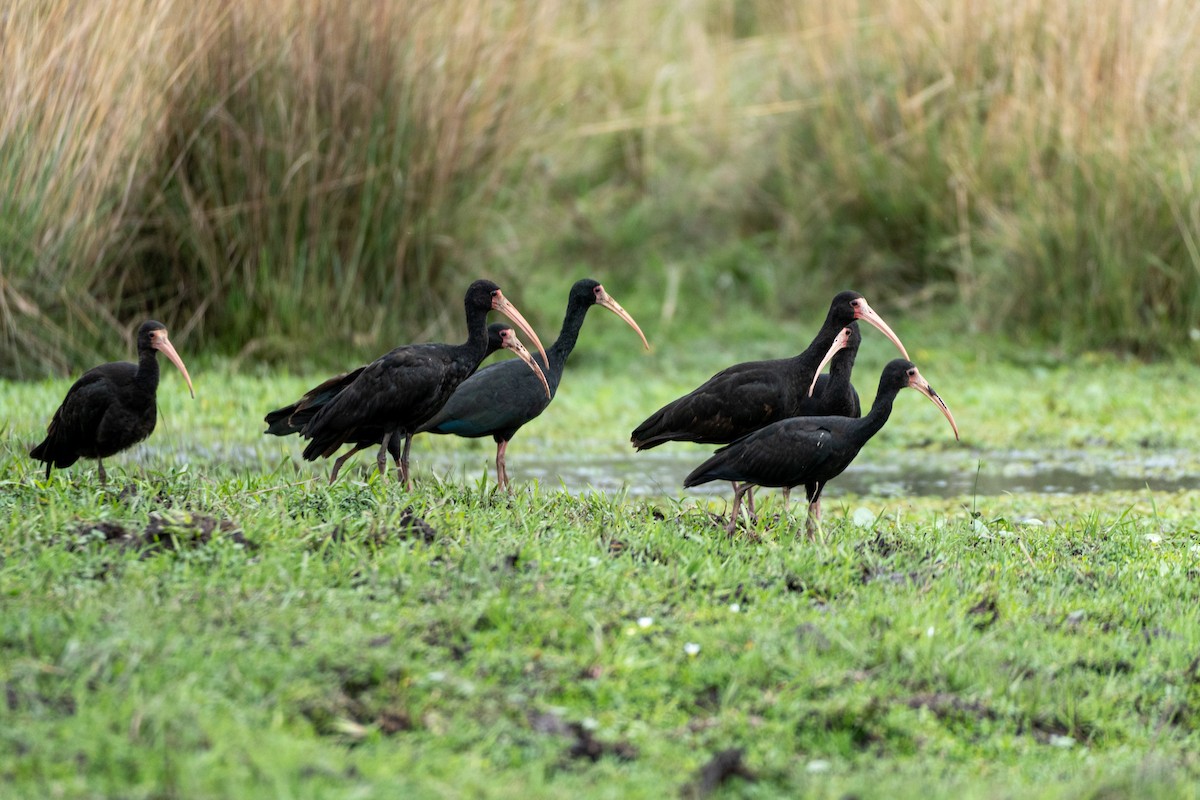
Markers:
point(747, 396)
point(499, 399)
point(111, 407)
point(292, 419)
point(398, 391)
point(833, 395)
point(809, 451)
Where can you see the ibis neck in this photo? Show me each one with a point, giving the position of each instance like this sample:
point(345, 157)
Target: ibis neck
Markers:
point(841, 367)
point(477, 333)
point(881, 409)
point(807, 362)
point(147, 368)
point(568, 335)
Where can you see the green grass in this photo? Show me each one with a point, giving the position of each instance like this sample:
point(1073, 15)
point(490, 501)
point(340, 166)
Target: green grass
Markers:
point(321, 645)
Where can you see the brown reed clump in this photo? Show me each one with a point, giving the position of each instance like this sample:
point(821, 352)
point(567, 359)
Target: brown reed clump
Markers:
point(262, 176)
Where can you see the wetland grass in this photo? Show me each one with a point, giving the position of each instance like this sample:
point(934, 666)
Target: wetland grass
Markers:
point(298, 181)
point(208, 627)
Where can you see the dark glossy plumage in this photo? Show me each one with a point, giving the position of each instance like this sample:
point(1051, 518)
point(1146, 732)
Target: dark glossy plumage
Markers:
point(111, 407)
point(747, 396)
point(499, 399)
point(834, 394)
point(292, 418)
point(395, 393)
point(809, 451)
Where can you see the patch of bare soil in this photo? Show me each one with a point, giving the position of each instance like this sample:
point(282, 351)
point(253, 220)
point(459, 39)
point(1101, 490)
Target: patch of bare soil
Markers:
point(715, 773)
point(584, 744)
point(171, 530)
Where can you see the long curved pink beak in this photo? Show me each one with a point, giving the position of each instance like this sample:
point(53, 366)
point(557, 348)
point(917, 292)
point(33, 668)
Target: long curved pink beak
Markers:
point(509, 341)
point(504, 306)
point(840, 342)
point(916, 381)
point(605, 299)
point(162, 344)
point(863, 311)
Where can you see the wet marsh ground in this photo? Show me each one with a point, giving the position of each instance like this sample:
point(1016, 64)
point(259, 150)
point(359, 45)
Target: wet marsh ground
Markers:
point(220, 622)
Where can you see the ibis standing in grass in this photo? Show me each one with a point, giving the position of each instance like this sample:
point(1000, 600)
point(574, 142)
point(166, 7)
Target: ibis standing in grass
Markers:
point(403, 388)
point(111, 407)
point(292, 418)
point(745, 397)
point(833, 395)
point(809, 451)
point(498, 400)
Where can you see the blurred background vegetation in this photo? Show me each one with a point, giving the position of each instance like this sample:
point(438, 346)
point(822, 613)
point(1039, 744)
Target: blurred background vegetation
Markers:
point(276, 177)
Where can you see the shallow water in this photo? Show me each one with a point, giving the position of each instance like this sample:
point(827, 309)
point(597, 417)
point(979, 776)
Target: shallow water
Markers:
point(660, 472)
point(942, 474)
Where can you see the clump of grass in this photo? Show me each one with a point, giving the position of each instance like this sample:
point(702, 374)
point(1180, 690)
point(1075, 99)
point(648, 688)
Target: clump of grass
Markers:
point(337, 170)
point(81, 101)
point(267, 177)
point(1030, 161)
point(249, 171)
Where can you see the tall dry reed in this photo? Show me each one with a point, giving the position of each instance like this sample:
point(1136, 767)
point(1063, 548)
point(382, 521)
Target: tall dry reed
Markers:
point(266, 176)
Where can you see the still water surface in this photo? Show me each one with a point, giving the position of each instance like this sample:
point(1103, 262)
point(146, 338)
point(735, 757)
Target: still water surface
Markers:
point(939, 474)
point(660, 472)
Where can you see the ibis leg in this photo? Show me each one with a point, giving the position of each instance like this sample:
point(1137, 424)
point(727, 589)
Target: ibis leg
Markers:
point(737, 505)
point(381, 459)
point(501, 468)
point(403, 465)
point(749, 499)
point(103, 474)
point(337, 465)
point(813, 522)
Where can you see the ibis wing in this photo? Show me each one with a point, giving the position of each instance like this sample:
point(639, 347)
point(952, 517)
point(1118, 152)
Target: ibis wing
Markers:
point(732, 403)
point(86, 403)
point(292, 419)
point(784, 453)
point(500, 398)
point(396, 391)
